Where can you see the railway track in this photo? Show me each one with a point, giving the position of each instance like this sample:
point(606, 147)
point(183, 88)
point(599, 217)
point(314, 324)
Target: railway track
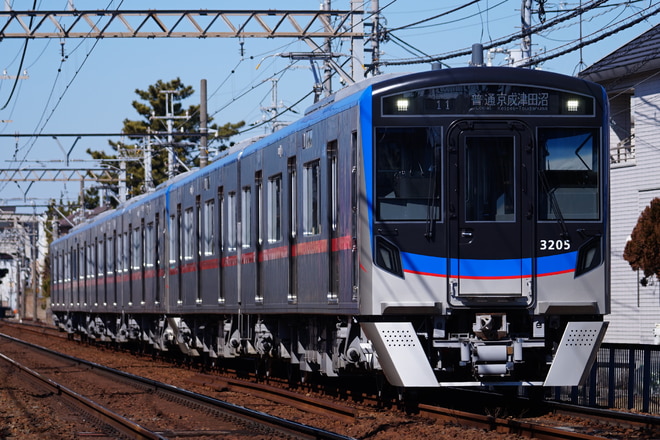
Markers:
point(116, 393)
point(558, 421)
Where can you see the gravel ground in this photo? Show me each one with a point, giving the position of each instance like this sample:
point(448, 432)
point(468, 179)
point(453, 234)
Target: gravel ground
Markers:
point(25, 414)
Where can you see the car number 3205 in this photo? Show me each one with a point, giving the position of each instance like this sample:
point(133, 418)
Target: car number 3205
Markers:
point(554, 245)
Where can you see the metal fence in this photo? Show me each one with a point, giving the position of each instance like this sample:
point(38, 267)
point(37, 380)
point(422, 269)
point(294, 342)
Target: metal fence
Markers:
point(624, 376)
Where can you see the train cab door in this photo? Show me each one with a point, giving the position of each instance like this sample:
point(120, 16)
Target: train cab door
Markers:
point(490, 213)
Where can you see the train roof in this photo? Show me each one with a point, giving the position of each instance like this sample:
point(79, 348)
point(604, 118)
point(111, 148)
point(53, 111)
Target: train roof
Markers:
point(350, 96)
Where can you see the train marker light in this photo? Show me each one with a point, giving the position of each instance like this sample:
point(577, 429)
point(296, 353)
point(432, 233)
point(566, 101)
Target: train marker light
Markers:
point(573, 105)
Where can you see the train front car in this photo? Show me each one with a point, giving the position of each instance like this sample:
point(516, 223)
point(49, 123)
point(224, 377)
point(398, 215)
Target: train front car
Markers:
point(486, 229)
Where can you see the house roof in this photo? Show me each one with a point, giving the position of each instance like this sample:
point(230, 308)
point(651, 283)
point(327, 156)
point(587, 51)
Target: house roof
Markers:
point(638, 56)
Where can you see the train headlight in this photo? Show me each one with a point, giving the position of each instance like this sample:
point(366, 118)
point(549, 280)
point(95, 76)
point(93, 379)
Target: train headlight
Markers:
point(573, 105)
point(402, 104)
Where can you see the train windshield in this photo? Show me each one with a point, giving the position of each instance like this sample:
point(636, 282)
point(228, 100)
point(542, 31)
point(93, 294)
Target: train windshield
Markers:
point(407, 173)
point(568, 174)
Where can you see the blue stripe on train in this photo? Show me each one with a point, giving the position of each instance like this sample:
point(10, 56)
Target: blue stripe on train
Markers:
point(513, 268)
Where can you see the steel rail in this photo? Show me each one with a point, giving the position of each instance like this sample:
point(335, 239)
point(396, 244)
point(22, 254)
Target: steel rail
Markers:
point(290, 427)
point(107, 416)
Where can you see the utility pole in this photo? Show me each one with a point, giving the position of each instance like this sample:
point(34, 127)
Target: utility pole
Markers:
point(169, 117)
point(203, 128)
point(148, 175)
point(327, 48)
point(374, 40)
point(526, 22)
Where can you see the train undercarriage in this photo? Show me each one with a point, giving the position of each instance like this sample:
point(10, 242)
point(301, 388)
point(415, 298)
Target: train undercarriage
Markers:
point(468, 350)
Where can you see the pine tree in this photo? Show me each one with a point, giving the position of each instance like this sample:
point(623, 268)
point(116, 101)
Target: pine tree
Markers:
point(153, 102)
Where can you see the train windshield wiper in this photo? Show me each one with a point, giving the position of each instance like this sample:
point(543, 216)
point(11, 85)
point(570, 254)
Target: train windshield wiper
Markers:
point(554, 204)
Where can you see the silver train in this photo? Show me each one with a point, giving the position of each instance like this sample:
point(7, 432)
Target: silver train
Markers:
point(441, 228)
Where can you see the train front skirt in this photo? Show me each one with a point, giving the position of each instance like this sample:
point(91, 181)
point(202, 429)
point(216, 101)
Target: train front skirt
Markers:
point(405, 364)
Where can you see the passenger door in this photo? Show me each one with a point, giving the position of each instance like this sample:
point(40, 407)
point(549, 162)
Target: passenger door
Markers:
point(490, 212)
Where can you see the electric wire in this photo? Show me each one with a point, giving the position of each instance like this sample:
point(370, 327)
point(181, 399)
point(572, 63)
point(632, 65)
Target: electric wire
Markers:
point(52, 112)
point(20, 65)
point(502, 41)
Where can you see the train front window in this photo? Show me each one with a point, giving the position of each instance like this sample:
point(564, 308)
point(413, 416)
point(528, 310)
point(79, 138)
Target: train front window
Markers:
point(489, 177)
point(407, 175)
point(568, 174)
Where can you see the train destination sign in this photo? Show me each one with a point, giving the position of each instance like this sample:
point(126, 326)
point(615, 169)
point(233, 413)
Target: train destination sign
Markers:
point(487, 99)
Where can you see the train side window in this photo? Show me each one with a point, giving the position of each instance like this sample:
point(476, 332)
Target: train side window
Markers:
point(569, 182)
point(407, 175)
point(246, 217)
point(231, 221)
point(208, 228)
point(311, 198)
point(275, 209)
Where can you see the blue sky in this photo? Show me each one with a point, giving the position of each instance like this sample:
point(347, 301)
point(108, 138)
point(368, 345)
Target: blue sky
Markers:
point(92, 89)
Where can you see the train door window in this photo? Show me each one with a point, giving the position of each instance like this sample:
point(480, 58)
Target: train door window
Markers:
point(91, 253)
point(221, 217)
point(173, 239)
point(311, 198)
point(150, 245)
point(208, 228)
point(568, 174)
point(258, 184)
point(110, 256)
point(120, 253)
point(81, 262)
point(275, 209)
point(100, 258)
point(67, 267)
point(187, 234)
point(489, 179)
point(136, 248)
point(246, 217)
point(197, 233)
point(407, 173)
point(127, 251)
point(231, 221)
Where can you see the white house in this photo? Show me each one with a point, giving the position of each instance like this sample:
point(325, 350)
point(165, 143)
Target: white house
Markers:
point(631, 76)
